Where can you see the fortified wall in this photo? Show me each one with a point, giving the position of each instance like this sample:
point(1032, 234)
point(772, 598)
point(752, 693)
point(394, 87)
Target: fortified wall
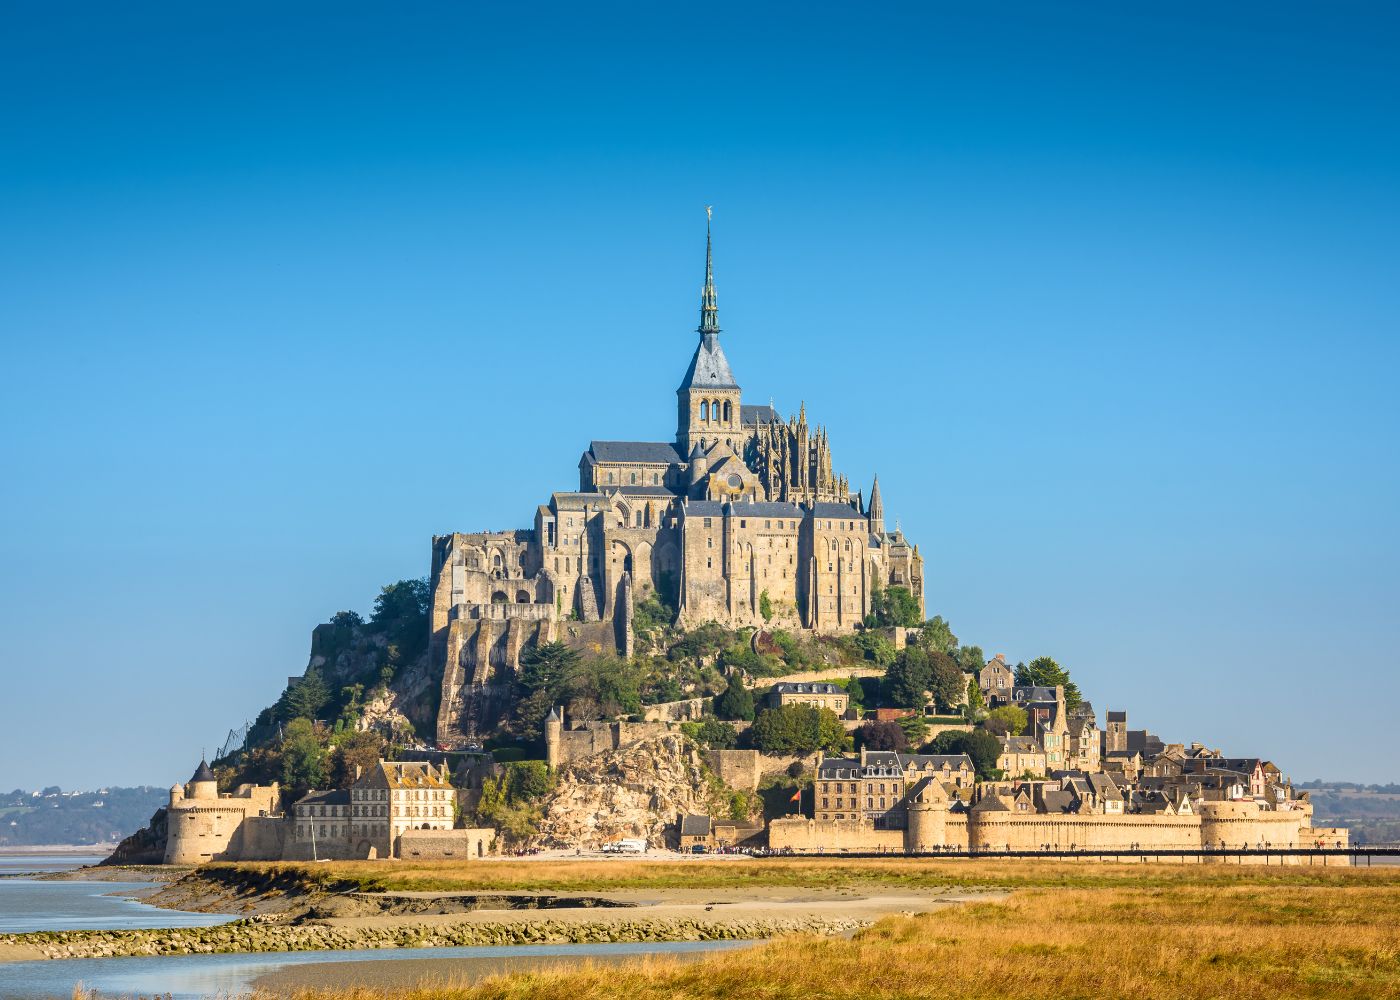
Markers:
point(932, 828)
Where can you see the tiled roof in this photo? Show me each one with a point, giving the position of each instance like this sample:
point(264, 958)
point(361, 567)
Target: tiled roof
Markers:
point(652, 452)
point(412, 774)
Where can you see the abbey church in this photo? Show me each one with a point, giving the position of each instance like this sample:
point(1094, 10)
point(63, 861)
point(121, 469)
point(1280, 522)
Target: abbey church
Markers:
point(740, 514)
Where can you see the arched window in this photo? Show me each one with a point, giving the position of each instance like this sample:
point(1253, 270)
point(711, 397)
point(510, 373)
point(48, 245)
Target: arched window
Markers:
point(496, 561)
point(728, 413)
point(704, 410)
point(634, 479)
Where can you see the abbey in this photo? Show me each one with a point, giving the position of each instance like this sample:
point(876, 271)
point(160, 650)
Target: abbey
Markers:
point(740, 519)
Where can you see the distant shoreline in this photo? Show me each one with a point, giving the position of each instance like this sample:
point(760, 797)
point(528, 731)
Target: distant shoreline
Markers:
point(22, 850)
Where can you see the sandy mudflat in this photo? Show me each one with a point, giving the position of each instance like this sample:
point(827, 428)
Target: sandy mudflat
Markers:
point(718, 905)
point(407, 973)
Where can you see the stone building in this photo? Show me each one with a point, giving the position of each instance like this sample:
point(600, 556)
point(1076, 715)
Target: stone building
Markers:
point(740, 518)
point(1021, 755)
point(202, 825)
point(996, 681)
point(816, 694)
point(386, 803)
point(873, 787)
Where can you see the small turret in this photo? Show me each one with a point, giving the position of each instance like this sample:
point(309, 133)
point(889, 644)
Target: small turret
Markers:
point(877, 509)
point(203, 784)
point(699, 465)
point(553, 736)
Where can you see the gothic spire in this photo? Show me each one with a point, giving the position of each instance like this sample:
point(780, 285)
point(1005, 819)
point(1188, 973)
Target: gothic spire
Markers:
point(709, 312)
point(877, 509)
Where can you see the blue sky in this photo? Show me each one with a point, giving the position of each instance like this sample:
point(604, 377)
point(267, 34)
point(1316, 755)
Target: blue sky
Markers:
point(1107, 296)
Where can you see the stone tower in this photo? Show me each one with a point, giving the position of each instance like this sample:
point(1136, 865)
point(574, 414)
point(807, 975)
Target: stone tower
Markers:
point(553, 734)
point(707, 402)
point(877, 509)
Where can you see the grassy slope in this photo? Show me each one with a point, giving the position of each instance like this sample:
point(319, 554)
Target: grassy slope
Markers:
point(1149, 932)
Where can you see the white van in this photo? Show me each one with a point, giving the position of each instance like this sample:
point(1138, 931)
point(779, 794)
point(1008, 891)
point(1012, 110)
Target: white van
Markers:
point(631, 845)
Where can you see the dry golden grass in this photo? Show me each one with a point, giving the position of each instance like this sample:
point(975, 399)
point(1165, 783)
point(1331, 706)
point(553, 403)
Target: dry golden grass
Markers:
point(1146, 932)
point(603, 876)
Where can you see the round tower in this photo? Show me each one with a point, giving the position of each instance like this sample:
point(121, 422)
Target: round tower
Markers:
point(699, 465)
point(204, 784)
point(928, 808)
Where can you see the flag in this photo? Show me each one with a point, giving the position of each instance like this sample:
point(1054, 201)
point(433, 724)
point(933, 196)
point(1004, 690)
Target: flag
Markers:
point(796, 796)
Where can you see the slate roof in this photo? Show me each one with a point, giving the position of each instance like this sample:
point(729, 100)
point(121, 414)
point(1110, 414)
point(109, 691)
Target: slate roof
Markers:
point(1061, 802)
point(708, 508)
point(753, 414)
point(709, 368)
point(1117, 716)
point(695, 826)
point(336, 797)
point(1019, 744)
point(647, 491)
point(790, 687)
point(828, 509)
point(653, 452)
point(203, 773)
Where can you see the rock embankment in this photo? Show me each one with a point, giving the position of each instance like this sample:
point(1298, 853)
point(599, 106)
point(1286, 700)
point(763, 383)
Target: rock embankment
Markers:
point(636, 791)
point(253, 936)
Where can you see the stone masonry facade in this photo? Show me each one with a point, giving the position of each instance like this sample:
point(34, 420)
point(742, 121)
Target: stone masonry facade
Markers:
point(742, 511)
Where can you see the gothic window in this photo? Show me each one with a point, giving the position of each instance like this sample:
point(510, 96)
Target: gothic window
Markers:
point(704, 410)
point(728, 413)
point(610, 478)
point(634, 479)
point(639, 519)
point(496, 560)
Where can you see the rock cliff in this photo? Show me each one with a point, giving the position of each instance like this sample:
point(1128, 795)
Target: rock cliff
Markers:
point(638, 790)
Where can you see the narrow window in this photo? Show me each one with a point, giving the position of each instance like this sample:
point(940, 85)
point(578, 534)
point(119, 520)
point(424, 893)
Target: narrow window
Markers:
point(704, 410)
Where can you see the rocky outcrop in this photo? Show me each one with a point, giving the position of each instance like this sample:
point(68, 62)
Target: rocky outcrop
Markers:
point(144, 847)
point(638, 790)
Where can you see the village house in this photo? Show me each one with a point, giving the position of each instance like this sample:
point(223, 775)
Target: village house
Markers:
point(818, 695)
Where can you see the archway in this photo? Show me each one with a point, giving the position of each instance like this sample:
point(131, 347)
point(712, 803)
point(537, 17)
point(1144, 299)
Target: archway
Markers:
point(499, 597)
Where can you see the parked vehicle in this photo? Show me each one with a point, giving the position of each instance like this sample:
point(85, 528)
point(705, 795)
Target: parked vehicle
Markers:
point(628, 845)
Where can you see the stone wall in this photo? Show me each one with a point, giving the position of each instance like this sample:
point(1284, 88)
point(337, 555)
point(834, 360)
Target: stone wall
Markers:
point(444, 845)
point(686, 710)
point(810, 836)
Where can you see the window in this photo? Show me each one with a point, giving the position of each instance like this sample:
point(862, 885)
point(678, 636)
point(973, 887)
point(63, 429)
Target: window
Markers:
point(704, 410)
point(707, 522)
point(709, 564)
point(743, 523)
point(656, 479)
point(610, 477)
point(634, 479)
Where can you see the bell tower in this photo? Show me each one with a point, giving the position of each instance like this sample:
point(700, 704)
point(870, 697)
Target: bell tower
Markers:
point(708, 397)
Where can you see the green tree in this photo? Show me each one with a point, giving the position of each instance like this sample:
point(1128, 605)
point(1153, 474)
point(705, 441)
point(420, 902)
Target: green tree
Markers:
point(735, 701)
point(915, 728)
point(909, 677)
point(936, 635)
point(712, 733)
point(945, 680)
point(799, 729)
point(362, 750)
point(895, 606)
point(970, 659)
point(976, 705)
point(1007, 720)
point(306, 697)
point(883, 736)
point(546, 672)
point(982, 747)
point(855, 693)
point(1045, 672)
point(765, 606)
point(528, 780)
point(303, 757)
point(877, 648)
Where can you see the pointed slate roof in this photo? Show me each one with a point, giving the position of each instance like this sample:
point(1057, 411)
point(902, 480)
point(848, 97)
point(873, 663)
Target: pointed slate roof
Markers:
point(203, 773)
point(709, 368)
